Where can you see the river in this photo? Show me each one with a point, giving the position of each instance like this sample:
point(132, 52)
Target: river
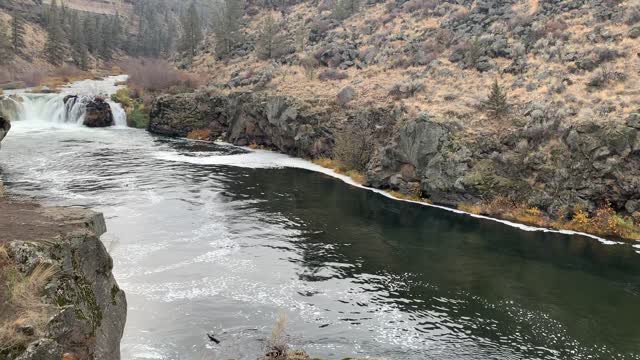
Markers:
point(211, 238)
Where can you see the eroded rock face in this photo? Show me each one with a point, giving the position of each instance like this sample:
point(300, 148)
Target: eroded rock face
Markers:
point(98, 114)
point(5, 126)
point(291, 126)
point(90, 309)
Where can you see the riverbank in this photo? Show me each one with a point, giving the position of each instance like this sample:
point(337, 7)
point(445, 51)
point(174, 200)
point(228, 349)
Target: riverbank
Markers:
point(60, 297)
point(544, 173)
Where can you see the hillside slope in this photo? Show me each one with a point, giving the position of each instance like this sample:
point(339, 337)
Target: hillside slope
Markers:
point(399, 92)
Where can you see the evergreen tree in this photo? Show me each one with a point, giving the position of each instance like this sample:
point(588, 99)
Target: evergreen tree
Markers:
point(227, 26)
point(79, 51)
point(497, 102)
point(192, 30)
point(168, 38)
point(301, 37)
point(95, 40)
point(6, 51)
point(269, 44)
point(17, 33)
point(55, 48)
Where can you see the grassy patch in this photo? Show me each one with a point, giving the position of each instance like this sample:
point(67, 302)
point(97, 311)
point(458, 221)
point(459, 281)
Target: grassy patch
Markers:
point(23, 313)
point(414, 197)
point(604, 221)
point(340, 168)
point(137, 114)
point(199, 134)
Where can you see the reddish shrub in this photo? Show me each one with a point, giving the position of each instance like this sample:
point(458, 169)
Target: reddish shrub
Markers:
point(32, 78)
point(158, 75)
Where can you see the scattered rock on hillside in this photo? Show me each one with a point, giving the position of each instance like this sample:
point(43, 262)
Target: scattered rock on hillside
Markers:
point(98, 114)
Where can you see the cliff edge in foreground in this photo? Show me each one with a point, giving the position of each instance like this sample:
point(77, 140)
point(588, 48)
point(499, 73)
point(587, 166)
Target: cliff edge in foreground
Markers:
point(60, 299)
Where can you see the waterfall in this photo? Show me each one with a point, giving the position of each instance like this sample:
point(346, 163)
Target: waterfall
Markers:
point(21, 105)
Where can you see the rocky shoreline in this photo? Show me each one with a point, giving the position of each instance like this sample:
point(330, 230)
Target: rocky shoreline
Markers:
point(552, 166)
point(87, 308)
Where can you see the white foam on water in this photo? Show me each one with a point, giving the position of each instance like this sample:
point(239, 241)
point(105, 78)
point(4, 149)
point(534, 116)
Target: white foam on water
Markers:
point(256, 159)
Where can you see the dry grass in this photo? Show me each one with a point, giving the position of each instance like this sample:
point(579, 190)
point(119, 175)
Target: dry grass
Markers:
point(276, 347)
point(412, 197)
point(604, 221)
point(199, 134)
point(23, 313)
point(340, 168)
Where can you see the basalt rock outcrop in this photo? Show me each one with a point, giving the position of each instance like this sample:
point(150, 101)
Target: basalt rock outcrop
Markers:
point(5, 126)
point(88, 308)
point(545, 160)
point(293, 127)
point(98, 114)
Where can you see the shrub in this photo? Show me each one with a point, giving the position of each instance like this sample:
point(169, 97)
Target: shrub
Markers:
point(406, 90)
point(420, 7)
point(632, 15)
point(157, 75)
point(603, 76)
point(354, 146)
point(137, 115)
point(604, 222)
point(199, 134)
point(310, 66)
point(333, 74)
point(32, 78)
point(345, 95)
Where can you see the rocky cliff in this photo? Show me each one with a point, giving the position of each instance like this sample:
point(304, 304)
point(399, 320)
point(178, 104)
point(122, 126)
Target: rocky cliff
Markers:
point(86, 308)
point(542, 161)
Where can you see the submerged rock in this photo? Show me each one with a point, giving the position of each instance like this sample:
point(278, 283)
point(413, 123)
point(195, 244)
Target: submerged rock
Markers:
point(98, 114)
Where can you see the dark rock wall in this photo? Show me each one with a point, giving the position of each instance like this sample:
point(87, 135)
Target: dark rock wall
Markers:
point(545, 162)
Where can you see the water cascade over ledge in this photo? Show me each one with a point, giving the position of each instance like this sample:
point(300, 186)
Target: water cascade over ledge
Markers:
point(69, 106)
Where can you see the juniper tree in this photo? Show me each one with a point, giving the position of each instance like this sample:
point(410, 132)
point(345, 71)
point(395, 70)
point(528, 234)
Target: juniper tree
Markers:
point(54, 48)
point(78, 40)
point(301, 36)
point(227, 26)
point(6, 52)
point(17, 32)
point(269, 44)
point(497, 103)
point(192, 30)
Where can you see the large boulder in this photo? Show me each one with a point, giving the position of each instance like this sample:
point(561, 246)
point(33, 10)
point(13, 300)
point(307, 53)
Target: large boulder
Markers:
point(5, 125)
point(98, 114)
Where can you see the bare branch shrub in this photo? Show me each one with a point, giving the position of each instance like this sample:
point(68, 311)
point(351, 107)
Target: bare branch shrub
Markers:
point(332, 74)
point(354, 145)
point(158, 75)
